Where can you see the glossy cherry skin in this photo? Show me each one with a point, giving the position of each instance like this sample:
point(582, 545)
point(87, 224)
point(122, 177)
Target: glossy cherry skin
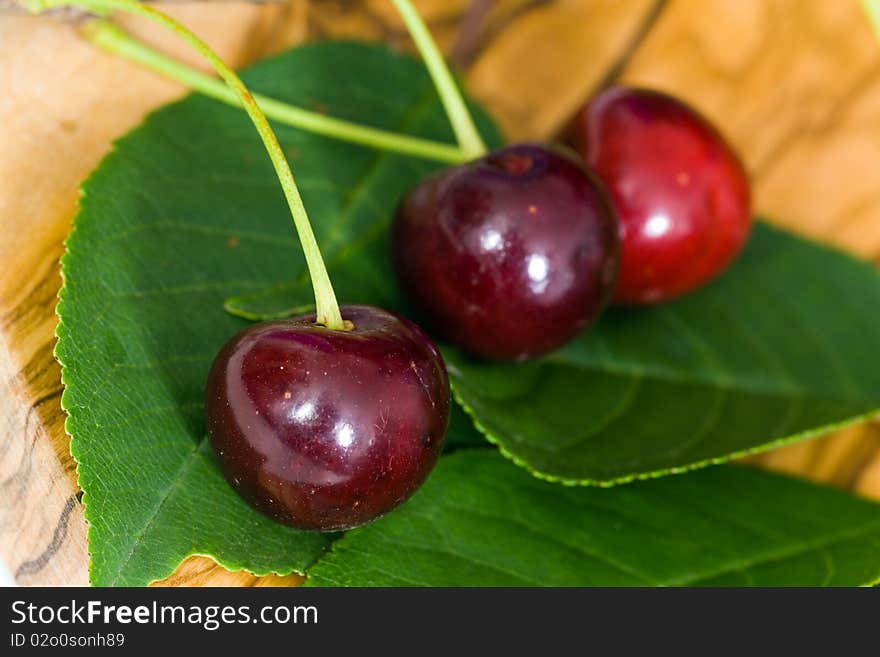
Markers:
point(327, 430)
point(508, 256)
point(681, 193)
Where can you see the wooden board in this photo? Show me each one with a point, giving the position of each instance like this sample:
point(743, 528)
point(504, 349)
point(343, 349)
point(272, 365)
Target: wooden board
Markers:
point(795, 85)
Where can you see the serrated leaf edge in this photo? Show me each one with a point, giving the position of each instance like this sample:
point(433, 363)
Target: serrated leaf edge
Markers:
point(652, 474)
point(59, 355)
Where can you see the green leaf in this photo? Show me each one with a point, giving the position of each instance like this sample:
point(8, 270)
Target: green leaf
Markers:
point(784, 346)
point(480, 522)
point(462, 433)
point(185, 212)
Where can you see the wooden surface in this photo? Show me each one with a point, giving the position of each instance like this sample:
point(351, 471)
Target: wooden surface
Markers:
point(795, 85)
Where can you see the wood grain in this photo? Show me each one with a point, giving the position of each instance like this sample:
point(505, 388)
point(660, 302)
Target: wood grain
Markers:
point(794, 84)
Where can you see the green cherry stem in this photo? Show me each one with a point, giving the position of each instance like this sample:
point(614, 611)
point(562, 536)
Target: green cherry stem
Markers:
point(111, 38)
point(462, 123)
point(325, 299)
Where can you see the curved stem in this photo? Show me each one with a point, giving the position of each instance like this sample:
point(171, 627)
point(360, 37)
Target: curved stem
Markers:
point(462, 123)
point(325, 299)
point(111, 38)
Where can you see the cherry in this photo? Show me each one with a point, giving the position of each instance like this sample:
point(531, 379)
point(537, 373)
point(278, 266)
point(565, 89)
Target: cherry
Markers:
point(324, 421)
point(323, 429)
point(510, 255)
point(681, 193)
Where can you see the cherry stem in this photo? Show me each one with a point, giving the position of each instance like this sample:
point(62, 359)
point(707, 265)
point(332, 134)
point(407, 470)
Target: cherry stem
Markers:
point(325, 299)
point(111, 38)
point(462, 123)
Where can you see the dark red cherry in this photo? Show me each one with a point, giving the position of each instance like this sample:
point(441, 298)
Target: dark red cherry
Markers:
point(324, 429)
point(508, 256)
point(681, 193)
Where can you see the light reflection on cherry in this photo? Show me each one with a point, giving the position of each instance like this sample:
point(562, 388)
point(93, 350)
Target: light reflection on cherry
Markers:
point(324, 429)
point(508, 256)
point(681, 194)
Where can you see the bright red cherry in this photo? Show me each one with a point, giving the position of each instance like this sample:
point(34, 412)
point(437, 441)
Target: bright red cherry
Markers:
point(324, 429)
point(680, 191)
point(508, 256)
